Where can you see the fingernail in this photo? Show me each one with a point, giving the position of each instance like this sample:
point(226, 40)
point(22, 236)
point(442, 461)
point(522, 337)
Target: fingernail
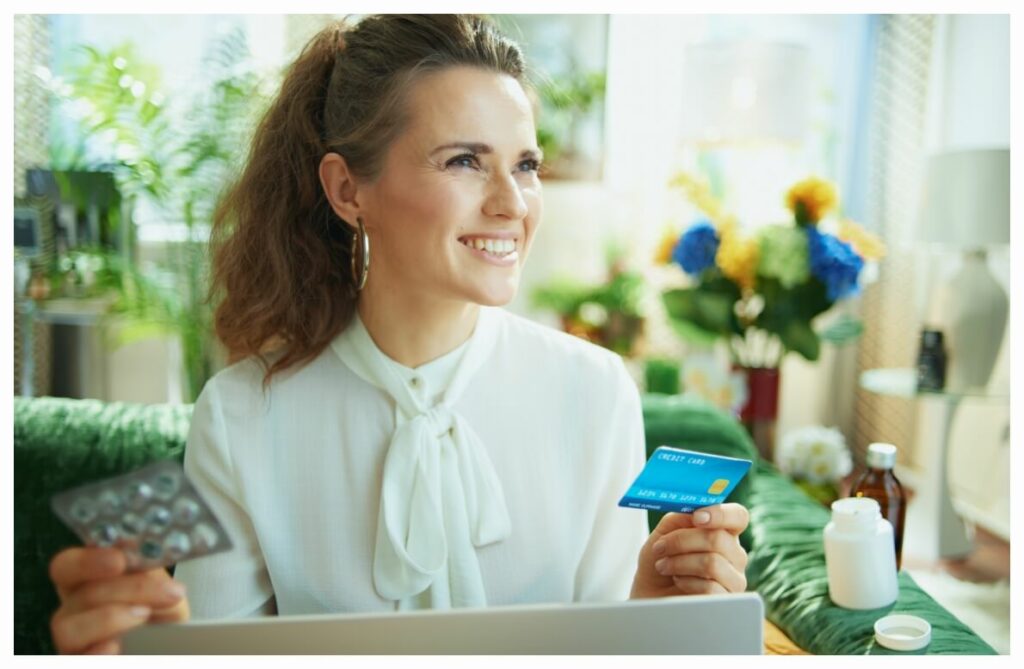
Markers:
point(701, 517)
point(139, 611)
point(660, 565)
point(174, 590)
point(659, 548)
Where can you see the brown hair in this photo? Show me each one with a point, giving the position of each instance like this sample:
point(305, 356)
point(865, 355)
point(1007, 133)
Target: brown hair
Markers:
point(280, 255)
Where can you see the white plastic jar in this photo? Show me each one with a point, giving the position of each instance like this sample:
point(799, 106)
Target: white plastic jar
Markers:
point(860, 555)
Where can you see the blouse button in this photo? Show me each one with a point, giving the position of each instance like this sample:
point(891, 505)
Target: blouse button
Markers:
point(415, 382)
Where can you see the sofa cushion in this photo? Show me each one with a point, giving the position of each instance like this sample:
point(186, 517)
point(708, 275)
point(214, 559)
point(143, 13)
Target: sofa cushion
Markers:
point(59, 444)
point(787, 567)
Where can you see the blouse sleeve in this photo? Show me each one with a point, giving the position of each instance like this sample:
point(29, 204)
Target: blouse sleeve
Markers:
point(233, 583)
point(610, 560)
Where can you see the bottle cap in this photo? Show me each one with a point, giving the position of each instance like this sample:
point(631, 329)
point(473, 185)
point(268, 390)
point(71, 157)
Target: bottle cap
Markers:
point(881, 456)
point(931, 338)
point(855, 513)
point(903, 632)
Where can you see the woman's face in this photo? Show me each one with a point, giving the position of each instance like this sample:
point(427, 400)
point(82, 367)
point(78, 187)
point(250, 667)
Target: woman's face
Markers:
point(454, 210)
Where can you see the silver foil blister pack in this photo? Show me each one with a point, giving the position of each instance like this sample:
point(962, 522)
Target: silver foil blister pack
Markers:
point(153, 514)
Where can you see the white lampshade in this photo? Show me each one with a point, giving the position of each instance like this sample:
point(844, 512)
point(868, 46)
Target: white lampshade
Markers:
point(967, 206)
point(744, 92)
point(967, 199)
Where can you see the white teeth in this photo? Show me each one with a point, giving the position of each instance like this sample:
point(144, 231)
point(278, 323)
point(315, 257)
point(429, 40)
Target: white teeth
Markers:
point(492, 246)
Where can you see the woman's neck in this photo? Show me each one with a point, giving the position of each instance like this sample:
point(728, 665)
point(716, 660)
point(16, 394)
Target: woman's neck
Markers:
point(413, 331)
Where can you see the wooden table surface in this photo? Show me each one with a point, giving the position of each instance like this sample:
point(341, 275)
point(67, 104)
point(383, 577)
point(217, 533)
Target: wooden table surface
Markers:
point(777, 643)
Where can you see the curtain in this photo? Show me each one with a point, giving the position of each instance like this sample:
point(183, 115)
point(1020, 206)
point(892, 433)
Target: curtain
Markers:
point(895, 141)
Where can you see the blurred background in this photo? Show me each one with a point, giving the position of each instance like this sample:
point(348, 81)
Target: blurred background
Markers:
point(784, 215)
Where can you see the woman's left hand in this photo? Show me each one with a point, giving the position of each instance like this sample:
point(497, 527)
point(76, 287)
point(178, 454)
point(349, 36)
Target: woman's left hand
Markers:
point(698, 554)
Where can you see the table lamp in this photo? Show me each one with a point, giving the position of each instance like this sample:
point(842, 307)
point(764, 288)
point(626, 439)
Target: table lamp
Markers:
point(966, 205)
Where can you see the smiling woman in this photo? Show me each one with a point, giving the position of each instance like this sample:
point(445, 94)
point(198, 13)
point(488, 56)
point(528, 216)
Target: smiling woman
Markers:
point(454, 209)
point(389, 437)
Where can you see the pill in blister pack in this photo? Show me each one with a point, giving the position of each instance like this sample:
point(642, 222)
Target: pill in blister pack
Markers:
point(153, 514)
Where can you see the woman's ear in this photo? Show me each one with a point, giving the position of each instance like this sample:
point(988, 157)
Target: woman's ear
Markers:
point(340, 187)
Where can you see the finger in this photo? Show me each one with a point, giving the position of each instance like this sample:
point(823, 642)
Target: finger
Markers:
point(147, 588)
point(699, 540)
point(110, 647)
point(712, 566)
point(74, 566)
point(75, 632)
point(671, 522)
point(691, 585)
point(178, 613)
point(731, 517)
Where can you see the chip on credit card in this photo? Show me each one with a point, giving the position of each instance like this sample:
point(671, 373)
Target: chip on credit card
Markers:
point(675, 479)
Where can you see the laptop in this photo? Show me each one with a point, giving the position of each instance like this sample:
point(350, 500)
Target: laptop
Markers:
point(731, 624)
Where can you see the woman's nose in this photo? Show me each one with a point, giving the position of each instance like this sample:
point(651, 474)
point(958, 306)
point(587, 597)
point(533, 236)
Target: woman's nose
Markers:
point(505, 199)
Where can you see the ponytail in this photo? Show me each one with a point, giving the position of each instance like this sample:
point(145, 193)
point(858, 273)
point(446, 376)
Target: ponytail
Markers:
point(278, 250)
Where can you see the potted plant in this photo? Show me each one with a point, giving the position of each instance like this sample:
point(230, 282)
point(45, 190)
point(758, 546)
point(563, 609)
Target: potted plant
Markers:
point(565, 103)
point(122, 123)
point(607, 313)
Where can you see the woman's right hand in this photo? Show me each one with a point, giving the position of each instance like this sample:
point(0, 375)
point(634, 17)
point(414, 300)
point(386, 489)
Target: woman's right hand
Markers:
point(100, 601)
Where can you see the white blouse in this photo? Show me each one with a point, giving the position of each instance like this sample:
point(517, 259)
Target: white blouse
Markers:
point(295, 474)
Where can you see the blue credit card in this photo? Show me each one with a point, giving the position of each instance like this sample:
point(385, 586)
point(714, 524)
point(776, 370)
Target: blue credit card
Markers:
point(679, 480)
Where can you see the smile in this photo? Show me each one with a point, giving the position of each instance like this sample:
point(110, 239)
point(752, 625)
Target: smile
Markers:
point(501, 252)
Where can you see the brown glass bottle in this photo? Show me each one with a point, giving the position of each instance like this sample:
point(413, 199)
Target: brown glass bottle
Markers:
point(880, 484)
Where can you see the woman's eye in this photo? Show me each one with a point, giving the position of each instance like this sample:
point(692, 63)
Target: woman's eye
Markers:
point(529, 165)
point(465, 160)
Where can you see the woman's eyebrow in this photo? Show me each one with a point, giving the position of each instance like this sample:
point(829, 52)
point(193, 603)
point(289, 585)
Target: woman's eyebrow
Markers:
point(481, 148)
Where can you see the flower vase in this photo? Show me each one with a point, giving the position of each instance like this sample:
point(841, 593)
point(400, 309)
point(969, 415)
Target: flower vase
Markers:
point(760, 412)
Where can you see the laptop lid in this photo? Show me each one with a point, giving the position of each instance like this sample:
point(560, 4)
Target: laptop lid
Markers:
point(692, 625)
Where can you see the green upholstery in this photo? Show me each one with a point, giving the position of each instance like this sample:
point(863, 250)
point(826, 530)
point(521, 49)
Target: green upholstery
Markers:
point(61, 443)
point(787, 567)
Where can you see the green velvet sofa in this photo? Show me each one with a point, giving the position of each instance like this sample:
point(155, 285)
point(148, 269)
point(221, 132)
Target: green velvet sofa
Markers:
point(60, 443)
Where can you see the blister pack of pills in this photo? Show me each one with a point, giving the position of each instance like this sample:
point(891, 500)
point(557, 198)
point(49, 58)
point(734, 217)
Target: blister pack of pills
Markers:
point(153, 514)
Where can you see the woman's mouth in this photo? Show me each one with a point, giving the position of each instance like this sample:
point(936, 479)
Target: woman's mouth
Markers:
point(498, 251)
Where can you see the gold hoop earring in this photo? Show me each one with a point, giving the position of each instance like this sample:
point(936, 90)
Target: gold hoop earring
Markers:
point(360, 243)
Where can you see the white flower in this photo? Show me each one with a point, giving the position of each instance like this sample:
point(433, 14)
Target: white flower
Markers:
point(704, 376)
point(817, 454)
point(701, 375)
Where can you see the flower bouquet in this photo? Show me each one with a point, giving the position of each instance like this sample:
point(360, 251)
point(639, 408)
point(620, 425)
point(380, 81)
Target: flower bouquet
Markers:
point(761, 291)
point(817, 459)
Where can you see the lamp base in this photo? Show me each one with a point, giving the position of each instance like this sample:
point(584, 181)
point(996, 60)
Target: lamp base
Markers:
point(974, 308)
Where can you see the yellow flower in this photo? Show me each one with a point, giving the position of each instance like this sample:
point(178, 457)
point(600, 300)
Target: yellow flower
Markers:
point(699, 194)
point(737, 255)
point(867, 245)
point(811, 200)
point(668, 241)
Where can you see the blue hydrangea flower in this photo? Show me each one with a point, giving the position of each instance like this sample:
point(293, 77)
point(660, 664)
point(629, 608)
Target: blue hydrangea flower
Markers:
point(696, 249)
point(835, 263)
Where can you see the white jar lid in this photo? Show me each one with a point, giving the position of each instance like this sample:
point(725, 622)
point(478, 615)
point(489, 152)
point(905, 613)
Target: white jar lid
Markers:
point(903, 632)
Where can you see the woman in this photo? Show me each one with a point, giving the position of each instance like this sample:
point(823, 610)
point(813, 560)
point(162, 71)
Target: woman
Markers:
point(389, 439)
